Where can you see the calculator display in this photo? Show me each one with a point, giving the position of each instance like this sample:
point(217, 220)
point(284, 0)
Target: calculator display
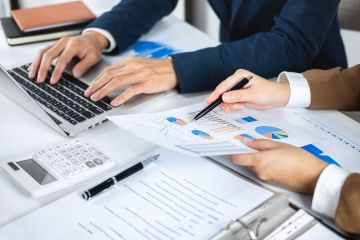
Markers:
point(36, 171)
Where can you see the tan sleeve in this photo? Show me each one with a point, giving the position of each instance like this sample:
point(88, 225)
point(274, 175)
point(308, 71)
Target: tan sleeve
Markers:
point(348, 210)
point(335, 88)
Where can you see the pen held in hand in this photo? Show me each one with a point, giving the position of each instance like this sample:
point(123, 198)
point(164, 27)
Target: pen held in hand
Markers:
point(236, 86)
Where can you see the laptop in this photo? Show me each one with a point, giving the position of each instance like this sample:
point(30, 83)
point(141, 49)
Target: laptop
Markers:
point(63, 106)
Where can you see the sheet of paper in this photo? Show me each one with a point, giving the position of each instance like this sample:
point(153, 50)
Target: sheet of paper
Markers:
point(340, 145)
point(319, 232)
point(176, 197)
point(216, 133)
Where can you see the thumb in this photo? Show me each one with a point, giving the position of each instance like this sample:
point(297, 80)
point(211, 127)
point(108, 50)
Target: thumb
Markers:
point(261, 144)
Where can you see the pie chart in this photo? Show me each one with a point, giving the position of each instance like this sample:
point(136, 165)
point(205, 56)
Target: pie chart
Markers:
point(176, 121)
point(202, 134)
point(272, 132)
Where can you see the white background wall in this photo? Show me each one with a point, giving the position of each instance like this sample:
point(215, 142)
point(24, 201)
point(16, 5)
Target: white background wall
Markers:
point(205, 19)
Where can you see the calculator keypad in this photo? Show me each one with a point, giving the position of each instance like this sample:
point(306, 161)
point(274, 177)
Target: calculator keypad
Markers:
point(71, 158)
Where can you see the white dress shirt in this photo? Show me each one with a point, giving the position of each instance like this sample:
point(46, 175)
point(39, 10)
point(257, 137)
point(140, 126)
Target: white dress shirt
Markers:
point(328, 188)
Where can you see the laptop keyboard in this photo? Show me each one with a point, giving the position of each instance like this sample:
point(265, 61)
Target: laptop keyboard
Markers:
point(66, 98)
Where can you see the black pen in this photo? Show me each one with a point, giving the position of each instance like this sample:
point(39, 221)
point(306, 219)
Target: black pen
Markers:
point(87, 195)
point(236, 86)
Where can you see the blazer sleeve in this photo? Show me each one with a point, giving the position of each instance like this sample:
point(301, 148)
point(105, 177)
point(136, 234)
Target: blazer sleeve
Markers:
point(295, 39)
point(335, 89)
point(129, 19)
point(348, 210)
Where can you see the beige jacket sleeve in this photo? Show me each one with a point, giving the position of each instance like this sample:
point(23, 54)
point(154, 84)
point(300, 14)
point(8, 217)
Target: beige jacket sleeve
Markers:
point(348, 211)
point(335, 88)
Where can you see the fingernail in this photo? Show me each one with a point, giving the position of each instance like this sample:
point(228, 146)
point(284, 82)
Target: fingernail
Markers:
point(39, 79)
point(52, 80)
point(226, 98)
point(77, 73)
point(31, 75)
point(94, 97)
point(114, 103)
point(87, 92)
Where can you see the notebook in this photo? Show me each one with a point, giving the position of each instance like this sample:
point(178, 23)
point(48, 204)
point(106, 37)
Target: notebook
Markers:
point(52, 16)
point(15, 36)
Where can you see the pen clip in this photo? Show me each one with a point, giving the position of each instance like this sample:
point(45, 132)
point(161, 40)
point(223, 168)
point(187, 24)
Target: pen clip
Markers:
point(248, 78)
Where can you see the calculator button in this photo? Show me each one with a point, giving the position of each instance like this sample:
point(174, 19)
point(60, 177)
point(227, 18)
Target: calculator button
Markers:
point(98, 161)
point(90, 164)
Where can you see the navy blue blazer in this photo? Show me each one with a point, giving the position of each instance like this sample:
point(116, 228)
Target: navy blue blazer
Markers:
point(263, 36)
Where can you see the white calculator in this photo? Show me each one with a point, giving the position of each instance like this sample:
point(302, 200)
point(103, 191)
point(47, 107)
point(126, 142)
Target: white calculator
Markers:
point(57, 167)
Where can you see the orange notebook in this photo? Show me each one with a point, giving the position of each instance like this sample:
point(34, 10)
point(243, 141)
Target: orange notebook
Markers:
point(52, 16)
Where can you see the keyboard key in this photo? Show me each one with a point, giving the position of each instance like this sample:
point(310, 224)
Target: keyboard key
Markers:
point(90, 164)
point(66, 98)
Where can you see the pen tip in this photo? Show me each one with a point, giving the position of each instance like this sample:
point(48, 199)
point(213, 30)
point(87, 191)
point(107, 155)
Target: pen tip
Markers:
point(156, 156)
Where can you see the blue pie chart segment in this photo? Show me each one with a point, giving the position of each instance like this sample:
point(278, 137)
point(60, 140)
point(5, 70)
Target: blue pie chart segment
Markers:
point(272, 132)
point(201, 134)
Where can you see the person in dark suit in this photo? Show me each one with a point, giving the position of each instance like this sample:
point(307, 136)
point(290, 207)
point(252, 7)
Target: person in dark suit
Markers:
point(263, 36)
point(336, 190)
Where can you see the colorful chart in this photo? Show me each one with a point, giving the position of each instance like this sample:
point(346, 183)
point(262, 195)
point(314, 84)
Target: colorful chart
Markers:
point(152, 49)
point(176, 121)
point(242, 137)
point(201, 134)
point(217, 124)
point(272, 132)
point(319, 153)
point(248, 119)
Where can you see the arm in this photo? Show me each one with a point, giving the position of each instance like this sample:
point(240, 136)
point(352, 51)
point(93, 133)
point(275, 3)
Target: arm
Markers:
point(293, 42)
point(117, 29)
point(128, 20)
point(348, 210)
point(317, 89)
point(335, 89)
point(336, 191)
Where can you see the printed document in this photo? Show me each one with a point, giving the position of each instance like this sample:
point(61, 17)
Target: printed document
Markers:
point(217, 133)
point(175, 197)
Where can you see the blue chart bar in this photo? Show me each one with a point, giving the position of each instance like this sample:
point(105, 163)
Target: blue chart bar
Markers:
point(152, 49)
point(319, 153)
point(248, 119)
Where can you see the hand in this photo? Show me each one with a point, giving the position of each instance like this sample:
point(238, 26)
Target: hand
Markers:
point(140, 75)
point(283, 164)
point(259, 93)
point(86, 47)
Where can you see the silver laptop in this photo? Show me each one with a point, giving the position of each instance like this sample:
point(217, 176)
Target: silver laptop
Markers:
point(63, 106)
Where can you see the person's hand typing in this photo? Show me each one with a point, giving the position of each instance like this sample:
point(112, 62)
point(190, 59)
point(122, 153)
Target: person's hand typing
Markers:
point(137, 75)
point(87, 47)
point(259, 93)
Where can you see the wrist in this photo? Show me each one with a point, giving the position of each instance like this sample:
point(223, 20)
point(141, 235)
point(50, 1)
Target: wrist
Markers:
point(100, 39)
point(171, 66)
point(284, 93)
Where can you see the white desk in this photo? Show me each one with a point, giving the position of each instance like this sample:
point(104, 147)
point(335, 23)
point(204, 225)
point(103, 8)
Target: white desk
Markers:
point(20, 132)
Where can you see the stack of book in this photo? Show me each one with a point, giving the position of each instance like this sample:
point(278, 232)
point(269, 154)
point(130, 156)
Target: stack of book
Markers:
point(46, 23)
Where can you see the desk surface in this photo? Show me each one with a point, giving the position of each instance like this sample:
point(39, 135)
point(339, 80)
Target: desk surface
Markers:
point(21, 133)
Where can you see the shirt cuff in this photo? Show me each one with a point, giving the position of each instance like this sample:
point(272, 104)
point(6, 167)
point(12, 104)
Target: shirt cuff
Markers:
point(300, 95)
point(328, 189)
point(109, 37)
